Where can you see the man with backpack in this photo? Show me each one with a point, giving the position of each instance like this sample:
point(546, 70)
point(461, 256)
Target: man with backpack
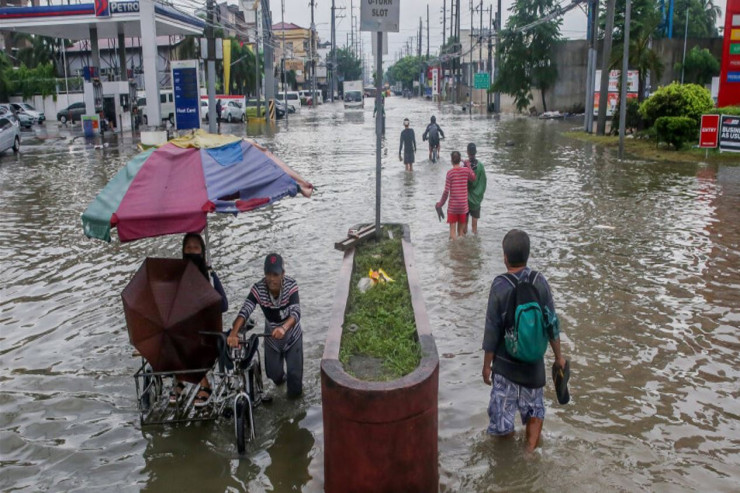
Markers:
point(520, 322)
point(433, 133)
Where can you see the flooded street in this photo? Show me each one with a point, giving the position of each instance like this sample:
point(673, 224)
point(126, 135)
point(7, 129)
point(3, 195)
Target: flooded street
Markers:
point(643, 260)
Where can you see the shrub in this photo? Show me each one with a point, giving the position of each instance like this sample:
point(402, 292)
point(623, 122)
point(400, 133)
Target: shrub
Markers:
point(632, 118)
point(676, 130)
point(727, 110)
point(687, 100)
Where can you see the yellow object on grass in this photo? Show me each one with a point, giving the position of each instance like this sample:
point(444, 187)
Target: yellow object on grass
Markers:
point(379, 276)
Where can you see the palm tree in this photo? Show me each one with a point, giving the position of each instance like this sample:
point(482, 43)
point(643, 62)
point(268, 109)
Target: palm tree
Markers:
point(641, 57)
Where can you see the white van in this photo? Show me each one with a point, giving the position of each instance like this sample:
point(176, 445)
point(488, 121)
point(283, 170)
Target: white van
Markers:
point(166, 105)
point(294, 99)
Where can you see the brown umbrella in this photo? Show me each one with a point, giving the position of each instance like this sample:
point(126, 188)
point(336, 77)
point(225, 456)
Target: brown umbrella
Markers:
point(167, 303)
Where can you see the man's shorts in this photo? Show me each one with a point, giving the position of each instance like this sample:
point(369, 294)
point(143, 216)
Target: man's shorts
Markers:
point(456, 218)
point(508, 397)
point(433, 142)
point(475, 213)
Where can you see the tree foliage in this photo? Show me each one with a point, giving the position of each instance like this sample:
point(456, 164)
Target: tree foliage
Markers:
point(242, 80)
point(406, 71)
point(349, 65)
point(703, 15)
point(527, 57)
point(641, 57)
point(676, 130)
point(31, 81)
point(700, 66)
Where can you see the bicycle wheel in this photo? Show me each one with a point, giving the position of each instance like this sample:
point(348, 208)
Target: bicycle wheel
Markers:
point(255, 382)
point(242, 420)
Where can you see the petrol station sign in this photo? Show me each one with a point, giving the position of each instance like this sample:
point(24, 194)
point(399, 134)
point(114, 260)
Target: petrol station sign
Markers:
point(187, 94)
point(729, 77)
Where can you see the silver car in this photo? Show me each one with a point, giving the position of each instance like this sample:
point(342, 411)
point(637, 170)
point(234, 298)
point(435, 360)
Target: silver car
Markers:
point(33, 113)
point(10, 135)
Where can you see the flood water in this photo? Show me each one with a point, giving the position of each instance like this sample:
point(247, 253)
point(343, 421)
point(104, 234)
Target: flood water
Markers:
point(643, 260)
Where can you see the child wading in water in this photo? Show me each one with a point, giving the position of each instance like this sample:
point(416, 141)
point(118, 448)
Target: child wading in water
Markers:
point(456, 188)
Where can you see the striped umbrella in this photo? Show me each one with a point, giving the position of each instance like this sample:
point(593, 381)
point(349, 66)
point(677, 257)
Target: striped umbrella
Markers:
point(171, 189)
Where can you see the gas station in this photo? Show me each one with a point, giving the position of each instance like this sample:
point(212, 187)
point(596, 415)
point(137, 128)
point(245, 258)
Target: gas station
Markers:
point(109, 19)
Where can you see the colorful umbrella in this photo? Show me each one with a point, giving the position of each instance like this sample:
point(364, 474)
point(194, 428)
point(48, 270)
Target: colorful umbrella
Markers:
point(167, 303)
point(171, 189)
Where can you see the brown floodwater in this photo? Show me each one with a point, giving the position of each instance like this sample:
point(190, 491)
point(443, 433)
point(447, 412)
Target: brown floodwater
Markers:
point(643, 260)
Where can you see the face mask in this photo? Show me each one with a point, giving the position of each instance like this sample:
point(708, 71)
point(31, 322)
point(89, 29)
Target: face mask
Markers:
point(199, 262)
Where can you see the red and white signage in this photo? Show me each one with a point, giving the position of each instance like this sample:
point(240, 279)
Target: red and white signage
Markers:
point(709, 137)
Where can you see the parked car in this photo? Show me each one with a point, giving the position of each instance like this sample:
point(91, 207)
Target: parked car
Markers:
point(72, 113)
point(251, 109)
point(280, 108)
point(204, 109)
point(294, 100)
point(25, 120)
point(232, 111)
point(10, 134)
point(37, 115)
point(7, 111)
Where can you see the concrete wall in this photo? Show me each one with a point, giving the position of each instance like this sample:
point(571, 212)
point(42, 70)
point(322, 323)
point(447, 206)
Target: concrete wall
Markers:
point(570, 56)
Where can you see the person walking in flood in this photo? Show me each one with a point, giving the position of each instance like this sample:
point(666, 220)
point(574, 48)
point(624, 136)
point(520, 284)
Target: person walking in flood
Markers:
point(520, 322)
point(277, 295)
point(476, 189)
point(456, 188)
point(408, 146)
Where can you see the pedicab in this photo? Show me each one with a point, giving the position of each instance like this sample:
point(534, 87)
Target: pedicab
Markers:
point(172, 312)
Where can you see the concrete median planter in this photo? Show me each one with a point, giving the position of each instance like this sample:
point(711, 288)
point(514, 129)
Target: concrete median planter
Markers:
point(380, 436)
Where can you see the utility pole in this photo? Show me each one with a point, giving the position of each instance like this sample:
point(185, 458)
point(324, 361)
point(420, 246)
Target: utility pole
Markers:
point(267, 50)
point(497, 94)
point(685, 36)
point(421, 74)
point(444, 22)
point(427, 31)
point(312, 51)
point(333, 50)
point(378, 126)
point(593, 30)
point(211, 68)
point(470, 69)
point(606, 54)
point(285, 87)
point(352, 24)
point(625, 66)
point(256, 66)
point(490, 53)
point(480, 37)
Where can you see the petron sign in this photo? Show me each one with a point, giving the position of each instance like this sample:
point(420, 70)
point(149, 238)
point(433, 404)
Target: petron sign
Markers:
point(729, 77)
point(124, 7)
point(187, 94)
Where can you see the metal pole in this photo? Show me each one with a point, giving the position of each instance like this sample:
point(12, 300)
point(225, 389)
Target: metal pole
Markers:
point(497, 95)
point(592, 34)
point(490, 54)
point(685, 36)
point(333, 49)
point(211, 66)
point(285, 84)
point(427, 31)
point(470, 69)
point(378, 127)
point(256, 67)
point(606, 54)
point(623, 92)
point(314, 103)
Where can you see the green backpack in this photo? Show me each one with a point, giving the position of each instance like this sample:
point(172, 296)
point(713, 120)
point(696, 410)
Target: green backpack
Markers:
point(525, 322)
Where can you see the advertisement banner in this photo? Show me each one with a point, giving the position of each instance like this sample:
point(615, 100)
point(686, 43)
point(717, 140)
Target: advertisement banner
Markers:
point(633, 80)
point(709, 136)
point(729, 136)
point(187, 95)
point(435, 80)
point(613, 99)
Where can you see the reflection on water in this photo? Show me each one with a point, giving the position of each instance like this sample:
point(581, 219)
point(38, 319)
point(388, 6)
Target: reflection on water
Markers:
point(643, 259)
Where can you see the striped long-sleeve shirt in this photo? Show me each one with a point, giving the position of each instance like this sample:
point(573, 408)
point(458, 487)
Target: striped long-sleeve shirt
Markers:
point(456, 188)
point(276, 310)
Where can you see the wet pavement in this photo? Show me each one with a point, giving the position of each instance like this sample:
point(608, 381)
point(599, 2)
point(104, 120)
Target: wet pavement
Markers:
point(643, 259)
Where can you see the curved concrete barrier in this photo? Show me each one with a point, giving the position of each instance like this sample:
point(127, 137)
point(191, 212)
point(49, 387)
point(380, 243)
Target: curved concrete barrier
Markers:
point(380, 436)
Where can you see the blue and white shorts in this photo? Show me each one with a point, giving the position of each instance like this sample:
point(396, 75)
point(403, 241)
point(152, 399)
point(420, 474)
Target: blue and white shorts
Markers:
point(506, 398)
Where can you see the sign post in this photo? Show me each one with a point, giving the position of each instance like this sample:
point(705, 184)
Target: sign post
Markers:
point(729, 135)
point(379, 16)
point(709, 136)
point(185, 87)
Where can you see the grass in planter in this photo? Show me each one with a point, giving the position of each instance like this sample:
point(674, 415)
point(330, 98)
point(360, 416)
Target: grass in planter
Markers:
point(383, 314)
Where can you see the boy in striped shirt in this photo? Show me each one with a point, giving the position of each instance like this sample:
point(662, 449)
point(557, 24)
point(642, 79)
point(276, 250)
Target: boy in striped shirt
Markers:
point(456, 188)
point(277, 295)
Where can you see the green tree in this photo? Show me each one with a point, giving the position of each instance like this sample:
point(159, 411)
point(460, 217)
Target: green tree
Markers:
point(642, 58)
point(5, 68)
point(703, 16)
point(349, 66)
point(527, 60)
point(242, 80)
point(700, 66)
point(406, 71)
